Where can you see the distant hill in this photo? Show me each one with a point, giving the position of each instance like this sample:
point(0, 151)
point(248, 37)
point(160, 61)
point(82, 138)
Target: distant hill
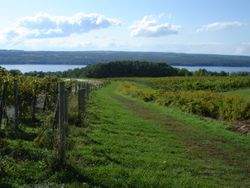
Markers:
point(93, 57)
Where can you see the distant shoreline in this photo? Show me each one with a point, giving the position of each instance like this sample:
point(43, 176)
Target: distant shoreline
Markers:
point(24, 68)
point(174, 65)
point(93, 57)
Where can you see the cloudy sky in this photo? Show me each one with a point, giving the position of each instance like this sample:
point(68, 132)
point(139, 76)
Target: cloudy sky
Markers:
point(191, 26)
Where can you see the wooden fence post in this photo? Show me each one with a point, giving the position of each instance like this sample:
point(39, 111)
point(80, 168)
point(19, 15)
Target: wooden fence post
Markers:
point(16, 99)
point(2, 105)
point(67, 92)
point(81, 105)
point(76, 88)
point(46, 97)
point(34, 100)
point(87, 90)
point(61, 137)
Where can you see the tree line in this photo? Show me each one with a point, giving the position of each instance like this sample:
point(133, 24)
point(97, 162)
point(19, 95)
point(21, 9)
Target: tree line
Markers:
point(127, 69)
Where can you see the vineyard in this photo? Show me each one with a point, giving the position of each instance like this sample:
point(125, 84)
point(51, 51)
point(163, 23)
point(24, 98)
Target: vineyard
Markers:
point(207, 83)
point(24, 97)
point(35, 115)
point(199, 95)
point(123, 132)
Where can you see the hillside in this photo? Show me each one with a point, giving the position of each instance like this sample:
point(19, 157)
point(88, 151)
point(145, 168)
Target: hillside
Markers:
point(93, 57)
point(140, 145)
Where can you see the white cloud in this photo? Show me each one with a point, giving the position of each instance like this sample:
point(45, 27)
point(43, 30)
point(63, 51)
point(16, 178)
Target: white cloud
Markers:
point(90, 41)
point(44, 25)
point(150, 26)
point(220, 26)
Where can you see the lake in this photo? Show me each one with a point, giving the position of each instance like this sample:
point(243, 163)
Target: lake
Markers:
point(53, 68)
point(216, 69)
point(44, 68)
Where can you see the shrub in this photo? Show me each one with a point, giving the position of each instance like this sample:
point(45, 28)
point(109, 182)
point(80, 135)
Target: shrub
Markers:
point(208, 83)
point(204, 103)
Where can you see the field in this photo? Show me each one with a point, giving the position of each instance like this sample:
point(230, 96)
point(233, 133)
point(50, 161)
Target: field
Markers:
point(244, 93)
point(130, 138)
point(199, 95)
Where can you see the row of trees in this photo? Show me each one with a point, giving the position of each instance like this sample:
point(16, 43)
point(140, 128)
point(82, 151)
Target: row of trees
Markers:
point(130, 68)
point(127, 69)
point(137, 69)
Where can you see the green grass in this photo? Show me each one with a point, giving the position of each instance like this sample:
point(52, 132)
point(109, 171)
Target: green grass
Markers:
point(124, 148)
point(244, 93)
point(22, 162)
point(129, 143)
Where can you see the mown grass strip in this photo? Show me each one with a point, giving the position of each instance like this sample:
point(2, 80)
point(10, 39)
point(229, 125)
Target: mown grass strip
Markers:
point(122, 148)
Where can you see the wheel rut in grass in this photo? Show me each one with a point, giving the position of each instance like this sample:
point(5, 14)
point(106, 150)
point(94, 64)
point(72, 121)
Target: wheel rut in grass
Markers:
point(197, 143)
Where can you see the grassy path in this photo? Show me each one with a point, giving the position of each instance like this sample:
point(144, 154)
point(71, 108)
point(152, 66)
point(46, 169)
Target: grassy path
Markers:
point(196, 140)
point(131, 143)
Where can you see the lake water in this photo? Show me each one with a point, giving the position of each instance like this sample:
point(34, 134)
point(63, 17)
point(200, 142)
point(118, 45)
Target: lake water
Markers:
point(216, 69)
point(53, 68)
point(44, 68)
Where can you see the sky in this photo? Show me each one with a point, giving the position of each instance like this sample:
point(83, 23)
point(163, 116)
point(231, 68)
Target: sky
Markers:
point(188, 26)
